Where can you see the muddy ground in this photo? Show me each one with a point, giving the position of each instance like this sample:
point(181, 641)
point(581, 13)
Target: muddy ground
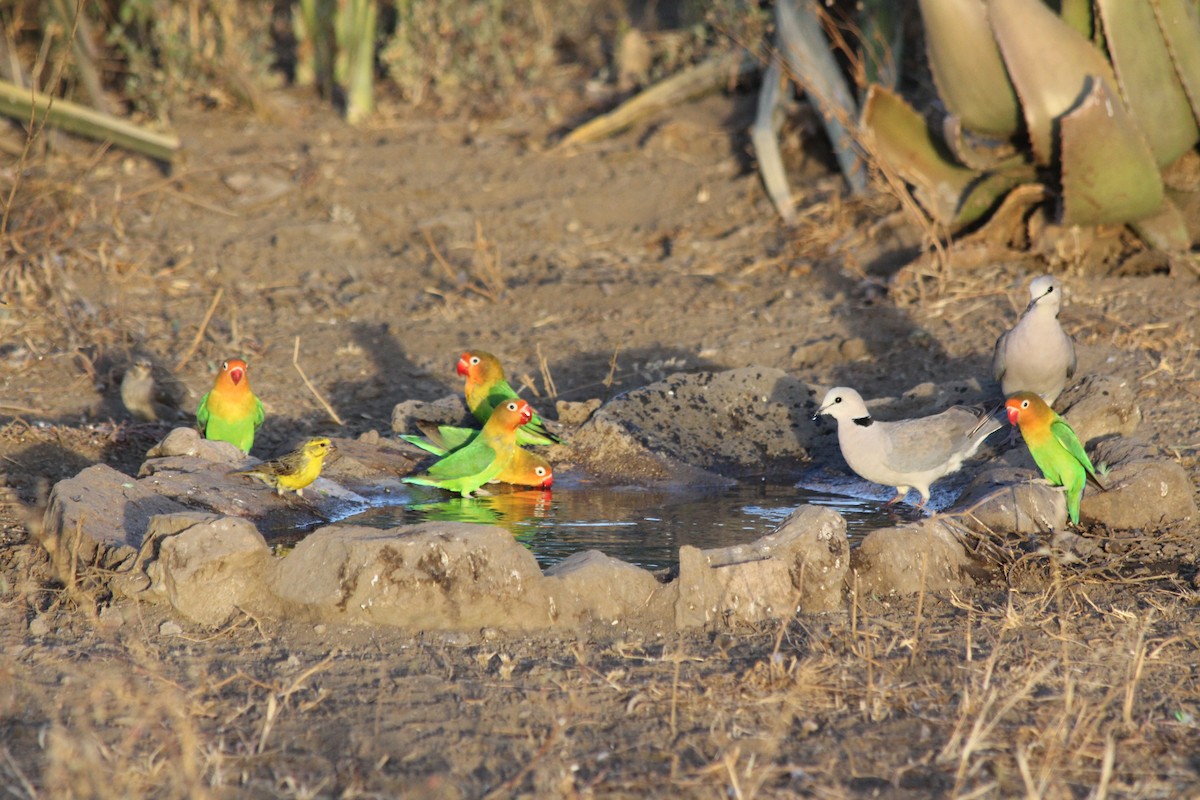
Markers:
point(383, 252)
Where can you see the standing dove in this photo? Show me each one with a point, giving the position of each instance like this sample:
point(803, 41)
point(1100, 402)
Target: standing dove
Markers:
point(1036, 355)
point(907, 454)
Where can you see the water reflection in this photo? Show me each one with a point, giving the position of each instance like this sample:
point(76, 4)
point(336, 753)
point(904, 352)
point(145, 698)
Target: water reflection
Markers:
point(642, 526)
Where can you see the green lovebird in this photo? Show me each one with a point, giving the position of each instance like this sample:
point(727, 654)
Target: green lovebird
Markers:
point(1054, 446)
point(484, 457)
point(486, 388)
point(230, 412)
point(525, 469)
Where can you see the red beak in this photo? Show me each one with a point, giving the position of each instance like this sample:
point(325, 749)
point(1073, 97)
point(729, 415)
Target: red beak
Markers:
point(546, 484)
point(464, 365)
point(236, 375)
point(1013, 414)
point(526, 414)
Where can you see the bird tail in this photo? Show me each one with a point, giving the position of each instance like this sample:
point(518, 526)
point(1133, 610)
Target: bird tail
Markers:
point(988, 421)
point(423, 443)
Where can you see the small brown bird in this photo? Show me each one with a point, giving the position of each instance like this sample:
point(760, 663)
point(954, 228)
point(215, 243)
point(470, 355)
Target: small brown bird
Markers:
point(294, 471)
point(144, 397)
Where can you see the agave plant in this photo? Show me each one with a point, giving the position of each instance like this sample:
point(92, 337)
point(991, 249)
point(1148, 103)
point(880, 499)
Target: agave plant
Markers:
point(1081, 110)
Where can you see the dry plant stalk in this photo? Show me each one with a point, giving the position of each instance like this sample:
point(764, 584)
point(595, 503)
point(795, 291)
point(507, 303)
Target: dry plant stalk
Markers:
point(212, 307)
point(300, 370)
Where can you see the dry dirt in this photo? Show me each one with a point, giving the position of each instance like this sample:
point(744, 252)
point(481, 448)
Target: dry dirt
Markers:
point(385, 251)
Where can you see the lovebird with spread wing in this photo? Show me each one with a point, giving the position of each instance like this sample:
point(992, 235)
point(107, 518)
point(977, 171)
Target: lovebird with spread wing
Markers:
point(230, 412)
point(526, 468)
point(484, 457)
point(486, 388)
point(294, 471)
point(1055, 447)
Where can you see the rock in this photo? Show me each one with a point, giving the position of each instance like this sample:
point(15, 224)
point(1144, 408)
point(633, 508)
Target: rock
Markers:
point(100, 516)
point(449, 410)
point(170, 628)
point(371, 466)
point(1005, 499)
point(1100, 406)
point(211, 568)
point(802, 564)
point(923, 556)
point(591, 586)
point(1142, 494)
point(188, 442)
point(433, 576)
point(737, 422)
point(575, 414)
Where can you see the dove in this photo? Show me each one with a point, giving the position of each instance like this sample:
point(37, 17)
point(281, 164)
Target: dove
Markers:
point(907, 454)
point(486, 387)
point(1055, 447)
point(1036, 354)
point(294, 471)
point(231, 412)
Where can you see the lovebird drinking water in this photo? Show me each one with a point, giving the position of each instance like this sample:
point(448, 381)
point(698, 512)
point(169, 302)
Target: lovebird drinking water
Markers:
point(526, 468)
point(1054, 446)
point(484, 457)
point(486, 388)
point(230, 412)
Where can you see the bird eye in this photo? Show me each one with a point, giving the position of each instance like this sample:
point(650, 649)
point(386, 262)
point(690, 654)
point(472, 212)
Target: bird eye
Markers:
point(837, 399)
point(474, 359)
point(224, 366)
point(540, 471)
point(512, 406)
point(1024, 404)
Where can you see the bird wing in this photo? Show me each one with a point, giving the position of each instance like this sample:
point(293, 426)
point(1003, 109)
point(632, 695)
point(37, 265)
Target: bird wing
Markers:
point(423, 443)
point(474, 459)
point(1070, 364)
point(919, 445)
point(1065, 436)
point(998, 354)
point(259, 413)
point(202, 411)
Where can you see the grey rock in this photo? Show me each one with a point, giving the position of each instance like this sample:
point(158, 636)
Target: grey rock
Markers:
point(1100, 406)
point(802, 564)
point(1011, 500)
point(449, 410)
point(1144, 491)
point(211, 568)
point(433, 576)
point(923, 556)
point(188, 442)
point(593, 587)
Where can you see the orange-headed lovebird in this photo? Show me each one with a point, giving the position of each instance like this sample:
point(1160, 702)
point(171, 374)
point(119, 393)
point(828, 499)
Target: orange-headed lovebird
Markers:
point(230, 412)
point(526, 468)
point(486, 388)
point(484, 457)
point(1054, 446)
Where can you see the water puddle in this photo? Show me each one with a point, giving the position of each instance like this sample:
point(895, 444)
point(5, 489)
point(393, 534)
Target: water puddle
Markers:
point(642, 526)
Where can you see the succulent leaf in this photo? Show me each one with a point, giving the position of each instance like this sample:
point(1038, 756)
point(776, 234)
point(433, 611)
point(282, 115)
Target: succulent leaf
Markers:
point(1166, 230)
point(1147, 77)
point(1108, 171)
point(967, 68)
point(1179, 22)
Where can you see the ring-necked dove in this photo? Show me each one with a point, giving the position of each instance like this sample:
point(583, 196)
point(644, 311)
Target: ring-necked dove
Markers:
point(907, 454)
point(1036, 355)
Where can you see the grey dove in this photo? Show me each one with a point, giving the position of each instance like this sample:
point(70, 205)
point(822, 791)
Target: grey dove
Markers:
point(1036, 355)
point(906, 454)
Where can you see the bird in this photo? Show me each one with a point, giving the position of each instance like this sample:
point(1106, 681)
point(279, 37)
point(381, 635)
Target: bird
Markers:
point(230, 412)
point(1036, 354)
point(142, 395)
point(526, 468)
point(482, 459)
point(295, 470)
point(486, 387)
point(906, 454)
point(1055, 447)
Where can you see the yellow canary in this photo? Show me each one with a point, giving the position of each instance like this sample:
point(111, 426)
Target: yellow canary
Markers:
point(295, 470)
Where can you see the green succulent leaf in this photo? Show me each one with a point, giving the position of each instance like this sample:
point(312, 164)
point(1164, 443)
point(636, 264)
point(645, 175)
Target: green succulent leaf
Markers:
point(1166, 230)
point(1108, 171)
point(1147, 77)
point(966, 65)
point(1179, 22)
point(1049, 63)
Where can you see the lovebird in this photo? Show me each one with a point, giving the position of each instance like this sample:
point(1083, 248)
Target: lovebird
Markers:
point(907, 454)
point(1036, 355)
point(294, 471)
point(484, 457)
point(1054, 446)
point(526, 468)
point(486, 388)
point(230, 412)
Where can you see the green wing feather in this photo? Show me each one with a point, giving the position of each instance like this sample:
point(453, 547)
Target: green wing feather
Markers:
point(1066, 437)
point(202, 412)
point(532, 433)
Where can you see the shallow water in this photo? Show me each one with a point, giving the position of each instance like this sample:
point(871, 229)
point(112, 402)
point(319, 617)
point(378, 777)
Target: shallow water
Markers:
point(642, 526)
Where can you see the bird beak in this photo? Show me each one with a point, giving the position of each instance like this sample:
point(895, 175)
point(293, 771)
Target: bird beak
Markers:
point(526, 414)
point(463, 367)
point(236, 375)
point(1013, 414)
point(818, 413)
point(546, 484)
